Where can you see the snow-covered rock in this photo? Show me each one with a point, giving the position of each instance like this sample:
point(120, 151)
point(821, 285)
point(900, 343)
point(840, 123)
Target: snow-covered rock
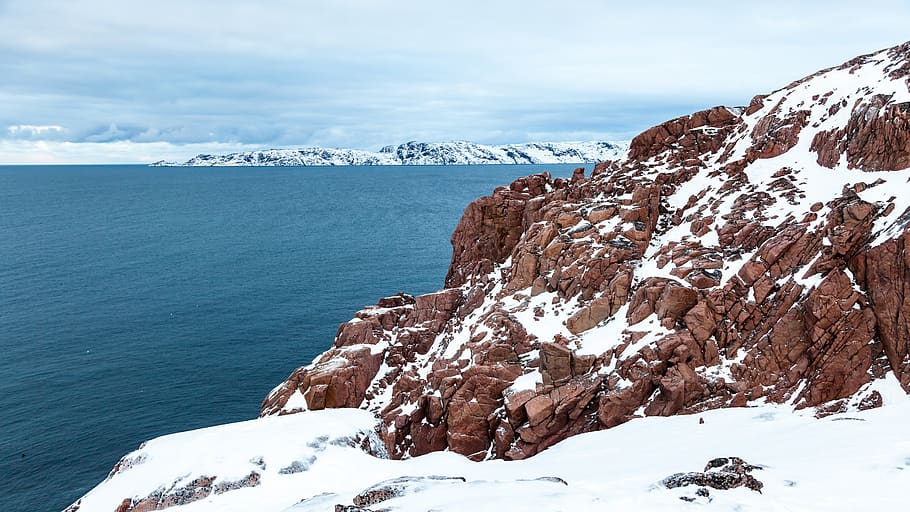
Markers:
point(254, 463)
point(421, 153)
point(736, 256)
point(845, 462)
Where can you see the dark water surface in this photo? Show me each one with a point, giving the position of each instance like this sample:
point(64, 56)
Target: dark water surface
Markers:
point(139, 301)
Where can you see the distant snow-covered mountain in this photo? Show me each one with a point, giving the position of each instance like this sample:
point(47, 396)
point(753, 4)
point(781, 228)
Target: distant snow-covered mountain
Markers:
point(421, 153)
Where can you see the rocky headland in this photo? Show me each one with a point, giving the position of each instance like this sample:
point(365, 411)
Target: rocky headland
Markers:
point(736, 259)
point(735, 256)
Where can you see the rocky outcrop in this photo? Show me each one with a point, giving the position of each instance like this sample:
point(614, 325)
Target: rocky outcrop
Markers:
point(875, 139)
point(884, 270)
point(686, 137)
point(344, 379)
point(737, 255)
point(198, 489)
point(723, 473)
point(492, 226)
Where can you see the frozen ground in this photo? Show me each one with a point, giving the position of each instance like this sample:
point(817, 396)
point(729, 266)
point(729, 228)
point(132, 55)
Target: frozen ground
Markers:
point(851, 461)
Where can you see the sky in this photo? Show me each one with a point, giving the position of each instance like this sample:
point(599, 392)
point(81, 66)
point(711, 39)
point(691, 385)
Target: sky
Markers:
point(105, 81)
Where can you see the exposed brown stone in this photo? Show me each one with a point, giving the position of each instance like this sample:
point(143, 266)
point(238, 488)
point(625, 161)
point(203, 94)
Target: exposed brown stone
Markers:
point(761, 294)
point(701, 132)
point(877, 137)
point(773, 136)
point(587, 317)
point(555, 363)
point(885, 272)
point(491, 226)
point(539, 409)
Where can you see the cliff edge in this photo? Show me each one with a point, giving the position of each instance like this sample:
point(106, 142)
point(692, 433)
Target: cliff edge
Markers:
point(735, 256)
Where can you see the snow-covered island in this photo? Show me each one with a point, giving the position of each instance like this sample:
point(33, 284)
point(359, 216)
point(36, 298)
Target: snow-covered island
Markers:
point(420, 153)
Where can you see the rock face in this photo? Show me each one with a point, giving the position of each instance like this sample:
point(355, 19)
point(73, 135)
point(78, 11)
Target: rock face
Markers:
point(736, 255)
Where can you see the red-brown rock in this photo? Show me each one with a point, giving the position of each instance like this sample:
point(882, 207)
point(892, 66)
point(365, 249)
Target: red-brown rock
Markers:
point(760, 292)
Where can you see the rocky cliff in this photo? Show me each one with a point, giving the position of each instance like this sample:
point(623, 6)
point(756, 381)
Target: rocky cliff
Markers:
point(735, 256)
point(420, 153)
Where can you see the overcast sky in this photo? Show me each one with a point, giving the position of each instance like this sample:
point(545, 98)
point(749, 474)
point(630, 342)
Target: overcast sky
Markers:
point(134, 81)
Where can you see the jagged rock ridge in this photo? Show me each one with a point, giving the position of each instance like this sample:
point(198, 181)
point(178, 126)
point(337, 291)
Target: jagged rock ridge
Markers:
point(735, 256)
point(420, 153)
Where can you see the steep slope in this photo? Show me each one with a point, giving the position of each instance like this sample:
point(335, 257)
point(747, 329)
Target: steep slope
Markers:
point(308, 462)
point(736, 256)
point(420, 153)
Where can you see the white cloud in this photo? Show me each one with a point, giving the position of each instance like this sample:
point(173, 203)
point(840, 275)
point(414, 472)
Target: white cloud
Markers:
point(119, 152)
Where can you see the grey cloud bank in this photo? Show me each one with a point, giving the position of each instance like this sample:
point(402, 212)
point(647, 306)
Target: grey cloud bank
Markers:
point(125, 81)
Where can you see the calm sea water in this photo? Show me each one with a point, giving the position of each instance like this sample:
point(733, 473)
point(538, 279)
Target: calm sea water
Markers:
point(139, 301)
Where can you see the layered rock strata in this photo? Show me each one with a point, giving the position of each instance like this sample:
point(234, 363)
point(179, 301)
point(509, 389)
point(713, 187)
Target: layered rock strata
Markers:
point(735, 256)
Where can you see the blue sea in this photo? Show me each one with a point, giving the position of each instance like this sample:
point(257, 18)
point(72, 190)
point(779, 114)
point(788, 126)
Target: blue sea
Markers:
point(139, 301)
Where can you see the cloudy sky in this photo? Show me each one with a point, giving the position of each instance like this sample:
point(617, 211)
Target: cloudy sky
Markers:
point(137, 80)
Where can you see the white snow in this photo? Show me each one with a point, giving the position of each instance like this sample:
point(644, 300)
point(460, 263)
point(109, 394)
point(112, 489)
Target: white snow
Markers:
point(547, 326)
point(846, 462)
point(603, 338)
point(230, 452)
point(296, 402)
point(528, 381)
